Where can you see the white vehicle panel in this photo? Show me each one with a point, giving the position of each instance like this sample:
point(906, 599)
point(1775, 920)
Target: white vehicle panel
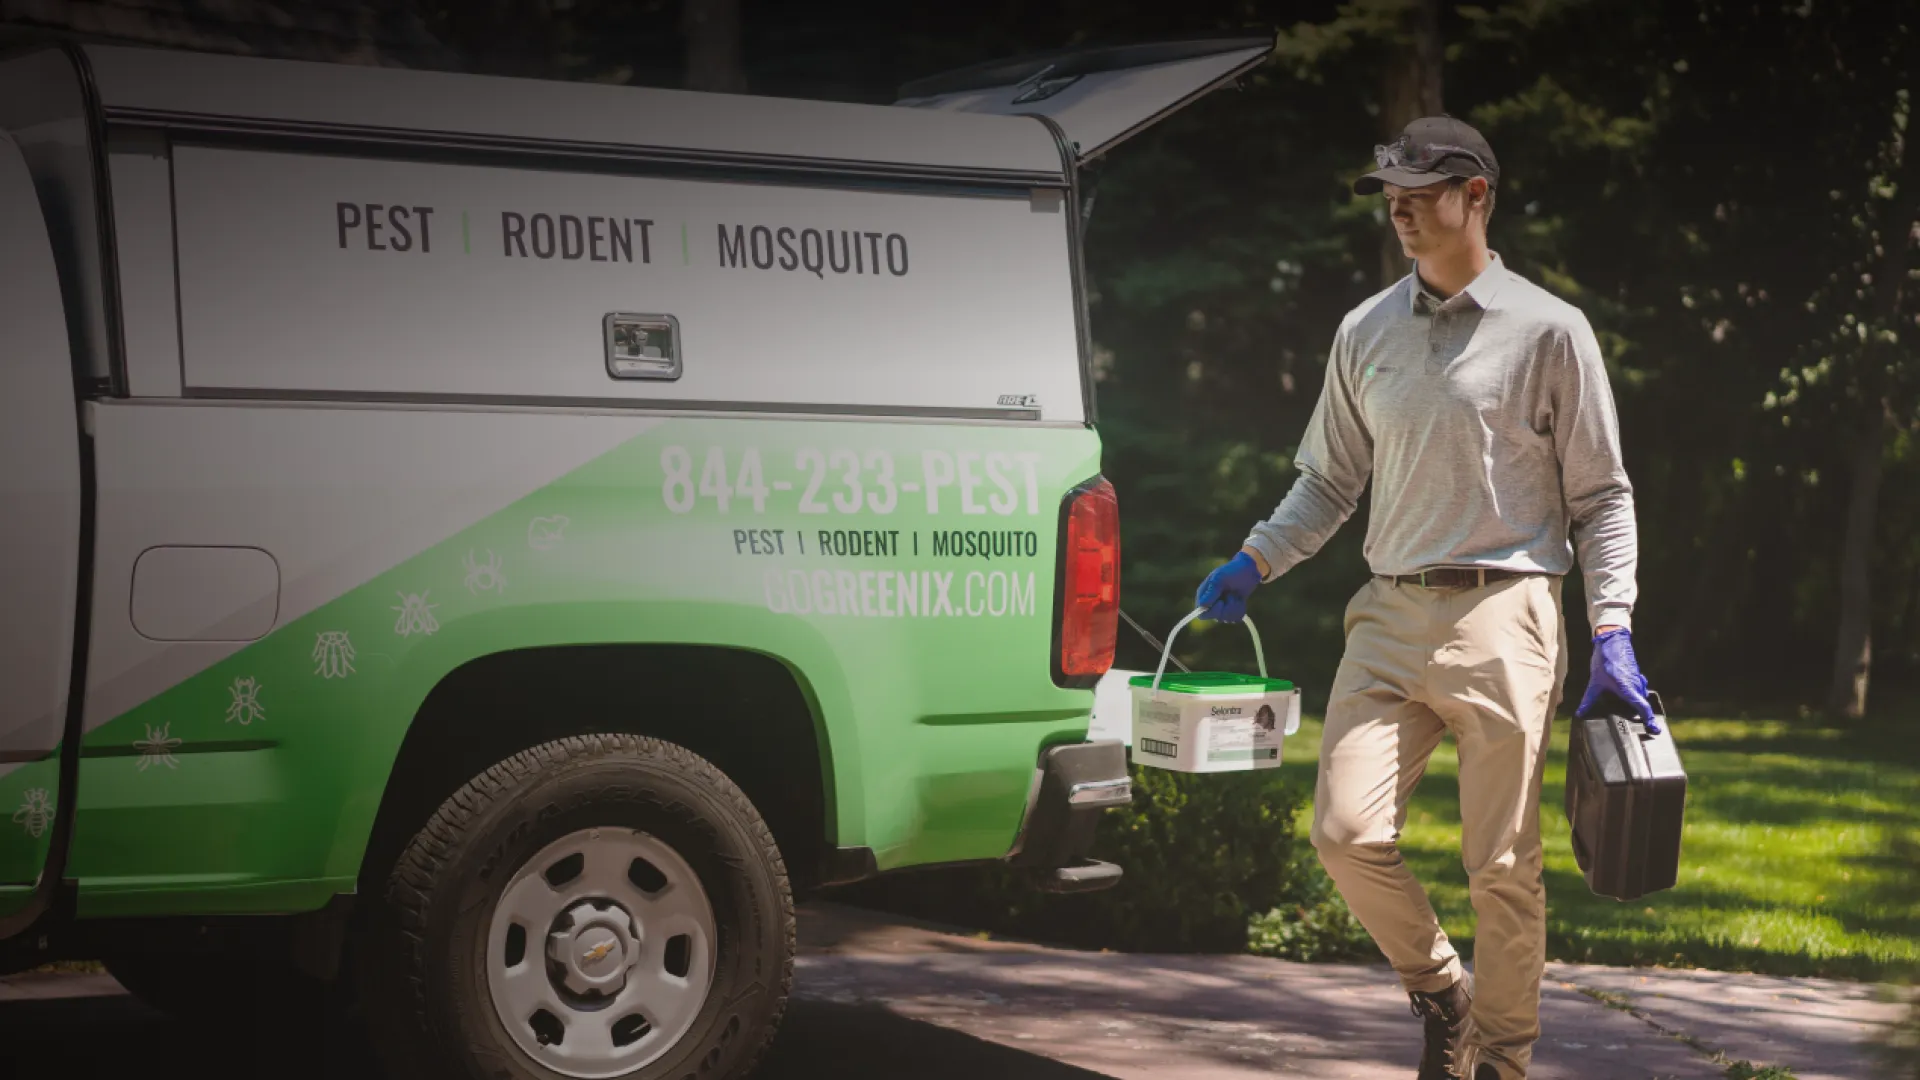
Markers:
point(298, 276)
point(39, 477)
point(334, 495)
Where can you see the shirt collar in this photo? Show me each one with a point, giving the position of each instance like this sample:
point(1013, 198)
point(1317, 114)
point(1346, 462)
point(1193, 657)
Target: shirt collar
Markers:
point(1481, 290)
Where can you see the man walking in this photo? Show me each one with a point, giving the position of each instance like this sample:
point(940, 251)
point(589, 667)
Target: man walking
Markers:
point(1478, 405)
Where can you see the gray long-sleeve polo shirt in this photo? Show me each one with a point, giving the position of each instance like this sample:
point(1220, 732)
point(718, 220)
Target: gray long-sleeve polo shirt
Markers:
point(1487, 426)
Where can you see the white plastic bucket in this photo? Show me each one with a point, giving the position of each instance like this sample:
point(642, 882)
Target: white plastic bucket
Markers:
point(1212, 721)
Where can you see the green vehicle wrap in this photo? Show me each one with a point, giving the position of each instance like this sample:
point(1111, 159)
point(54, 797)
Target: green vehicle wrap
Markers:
point(887, 566)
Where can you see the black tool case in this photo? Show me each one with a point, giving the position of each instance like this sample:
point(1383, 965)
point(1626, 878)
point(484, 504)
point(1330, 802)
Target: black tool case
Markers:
point(1626, 800)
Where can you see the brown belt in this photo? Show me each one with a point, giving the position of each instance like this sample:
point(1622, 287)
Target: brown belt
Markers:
point(1455, 577)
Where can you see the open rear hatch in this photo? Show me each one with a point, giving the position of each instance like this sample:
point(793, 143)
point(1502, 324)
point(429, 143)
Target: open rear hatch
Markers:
point(1099, 95)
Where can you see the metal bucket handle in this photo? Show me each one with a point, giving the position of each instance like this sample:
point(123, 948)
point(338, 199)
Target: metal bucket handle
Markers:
point(1259, 656)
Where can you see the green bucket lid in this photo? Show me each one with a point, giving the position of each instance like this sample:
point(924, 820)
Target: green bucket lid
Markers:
point(1213, 682)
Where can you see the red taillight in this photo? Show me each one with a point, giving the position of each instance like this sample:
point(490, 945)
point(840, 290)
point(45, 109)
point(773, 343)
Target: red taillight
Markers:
point(1090, 589)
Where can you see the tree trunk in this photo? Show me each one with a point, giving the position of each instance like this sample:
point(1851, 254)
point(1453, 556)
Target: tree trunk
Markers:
point(1410, 89)
point(711, 30)
point(1853, 648)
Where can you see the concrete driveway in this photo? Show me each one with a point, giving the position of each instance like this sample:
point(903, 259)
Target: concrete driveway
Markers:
point(878, 997)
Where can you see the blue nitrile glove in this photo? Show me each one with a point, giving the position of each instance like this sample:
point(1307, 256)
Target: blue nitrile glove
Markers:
point(1224, 593)
point(1614, 670)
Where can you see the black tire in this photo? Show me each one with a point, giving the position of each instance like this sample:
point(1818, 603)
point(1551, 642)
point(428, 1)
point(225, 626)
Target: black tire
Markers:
point(429, 1011)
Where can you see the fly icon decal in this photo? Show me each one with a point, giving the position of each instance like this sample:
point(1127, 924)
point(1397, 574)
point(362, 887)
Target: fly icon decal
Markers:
point(416, 615)
point(245, 707)
point(484, 576)
point(332, 654)
point(545, 533)
point(35, 813)
point(157, 748)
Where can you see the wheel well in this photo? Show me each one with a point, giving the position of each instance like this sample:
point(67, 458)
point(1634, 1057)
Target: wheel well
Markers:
point(743, 711)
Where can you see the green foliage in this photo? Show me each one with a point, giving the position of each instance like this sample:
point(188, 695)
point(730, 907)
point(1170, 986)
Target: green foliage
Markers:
point(1641, 181)
point(1205, 856)
point(1314, 924)
point(1747, 1070)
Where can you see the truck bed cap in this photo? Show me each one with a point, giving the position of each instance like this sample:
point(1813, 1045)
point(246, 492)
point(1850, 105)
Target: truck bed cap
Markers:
point(205, 90)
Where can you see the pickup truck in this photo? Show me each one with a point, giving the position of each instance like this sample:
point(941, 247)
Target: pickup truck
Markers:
point(492, 543)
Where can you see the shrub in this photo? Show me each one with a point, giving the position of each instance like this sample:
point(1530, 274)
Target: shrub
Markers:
point(1207, 857)
point(1747, 1070)
point(1313, 924)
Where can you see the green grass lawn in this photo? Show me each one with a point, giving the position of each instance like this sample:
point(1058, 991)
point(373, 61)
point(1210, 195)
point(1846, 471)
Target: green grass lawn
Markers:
point(1790, 860)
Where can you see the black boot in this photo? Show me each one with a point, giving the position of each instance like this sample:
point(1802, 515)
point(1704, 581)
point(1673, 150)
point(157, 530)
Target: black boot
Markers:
point(1445, 1013)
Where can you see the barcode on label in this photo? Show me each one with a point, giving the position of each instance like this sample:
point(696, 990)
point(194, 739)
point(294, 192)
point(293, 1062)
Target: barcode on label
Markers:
point(1162, 749)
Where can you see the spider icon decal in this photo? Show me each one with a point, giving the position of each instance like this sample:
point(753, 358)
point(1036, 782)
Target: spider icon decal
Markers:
point(484, 576)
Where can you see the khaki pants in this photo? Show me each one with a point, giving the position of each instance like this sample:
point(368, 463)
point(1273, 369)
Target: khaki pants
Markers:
point(1486, 663)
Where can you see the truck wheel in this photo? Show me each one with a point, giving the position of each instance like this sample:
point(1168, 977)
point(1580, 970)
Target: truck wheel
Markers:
point(598, 906)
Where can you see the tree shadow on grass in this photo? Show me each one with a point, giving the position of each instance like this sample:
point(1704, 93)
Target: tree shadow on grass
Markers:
point(1887, 881)
point(1584, 928)
point(1765, 794)
point(1875, 742)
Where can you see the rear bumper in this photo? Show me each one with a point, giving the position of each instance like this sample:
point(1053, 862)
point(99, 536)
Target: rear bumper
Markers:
point(1073, 785)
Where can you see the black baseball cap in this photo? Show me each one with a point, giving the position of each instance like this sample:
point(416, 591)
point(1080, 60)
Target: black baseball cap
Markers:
point(1429, 150)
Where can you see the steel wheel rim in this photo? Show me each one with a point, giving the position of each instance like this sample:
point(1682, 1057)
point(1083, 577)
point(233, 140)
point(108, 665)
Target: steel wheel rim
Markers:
point(600, 952)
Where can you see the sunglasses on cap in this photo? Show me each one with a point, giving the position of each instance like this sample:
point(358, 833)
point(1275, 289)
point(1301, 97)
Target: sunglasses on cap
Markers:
point(1396, 154)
